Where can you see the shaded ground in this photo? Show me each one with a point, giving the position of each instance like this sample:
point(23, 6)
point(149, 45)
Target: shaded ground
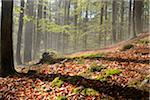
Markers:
point(119, 75)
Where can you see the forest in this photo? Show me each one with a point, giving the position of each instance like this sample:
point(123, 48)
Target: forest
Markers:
point(74, 49)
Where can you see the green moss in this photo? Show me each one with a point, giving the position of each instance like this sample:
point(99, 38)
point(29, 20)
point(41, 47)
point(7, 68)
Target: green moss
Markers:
point(89, 92)
point(77, 90)
point(92, 55)
point(57, 82)
point(112, 72)
point(61, 98)
point(128, 46)
point(80, 60)
point(101, 78)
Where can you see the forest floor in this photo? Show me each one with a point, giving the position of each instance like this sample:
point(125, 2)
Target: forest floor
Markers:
point(119, 75)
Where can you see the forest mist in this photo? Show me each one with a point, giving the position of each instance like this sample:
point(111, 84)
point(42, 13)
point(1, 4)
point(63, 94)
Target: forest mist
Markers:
point(68, 26)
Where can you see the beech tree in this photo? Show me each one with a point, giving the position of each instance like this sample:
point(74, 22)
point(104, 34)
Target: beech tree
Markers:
point(28, 32)
point(114, 10)
point(20, 31)
point(7, 61)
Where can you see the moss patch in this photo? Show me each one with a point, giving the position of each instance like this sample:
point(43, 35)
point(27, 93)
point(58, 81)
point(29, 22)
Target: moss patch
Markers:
point(57, 82)
point(92, 55)
point(77, 90)
point(89, 92)
point(111, 72)
point(61, 98)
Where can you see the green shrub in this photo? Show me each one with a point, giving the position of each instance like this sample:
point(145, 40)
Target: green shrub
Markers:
point(61, 98)
point(112, 72)
point(57, 82)
point(89, 92)
point(94, 67)
point(128, 46)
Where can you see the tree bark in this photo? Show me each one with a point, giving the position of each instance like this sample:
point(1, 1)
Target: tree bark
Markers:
point(114, 10)
point(75, 24)
point(122, 21)
point(101, 22)
point(45, 32)
point(28, 33)
point(19, 37)
point(105, 43)
point(130, 17)
point(7, 61)
point(138, 15)
point(133, 19)
point(86, 20)
point(35, 28)
point(38, 36)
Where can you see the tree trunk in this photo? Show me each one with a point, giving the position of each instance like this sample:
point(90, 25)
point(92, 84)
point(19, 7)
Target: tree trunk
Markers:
point(130, 16)
point(28, 33)
point(20, 31)
point(105, 43)
point(86, 20)
point(38, 36)
point(106, 10)
point(75, 24)
point(101, 22)
point(133, 19)
point(7, 61)
point(45, 32)
point(67, 22)
point(122, 21)
point(114, 19)
point(138, 15)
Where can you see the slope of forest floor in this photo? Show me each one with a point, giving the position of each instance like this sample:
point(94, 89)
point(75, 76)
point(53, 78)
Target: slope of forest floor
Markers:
point(119, 75)
point(112, 48)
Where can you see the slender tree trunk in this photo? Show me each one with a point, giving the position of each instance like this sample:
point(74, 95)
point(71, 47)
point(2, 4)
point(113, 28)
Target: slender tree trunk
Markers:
point(148, 19)
point(64, 23)
point(105, 43)
point(7, 61)
point(38, 36)
point(122, 21)
point(138, 15)
point(106, 10)
point(45, 32)
point(58, 21)
point(114, 19)
point(20, 31)
point(86, 20)
point(67, 22)
point(133, 18)
point(130, 16)
point(101, 23)
point(28, 33)
point(35, 29)
point(76, 25)
point(50, 33)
